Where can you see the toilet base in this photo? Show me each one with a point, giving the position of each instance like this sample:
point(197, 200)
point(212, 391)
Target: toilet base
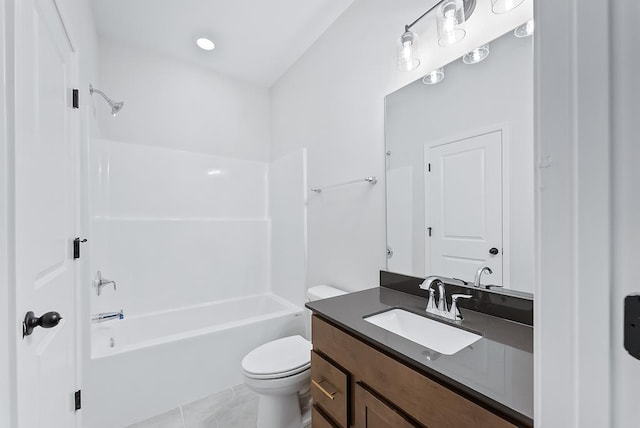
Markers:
point(279, 411)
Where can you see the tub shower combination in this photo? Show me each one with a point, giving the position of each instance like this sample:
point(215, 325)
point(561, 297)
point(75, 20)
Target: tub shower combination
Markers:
point(191, 269)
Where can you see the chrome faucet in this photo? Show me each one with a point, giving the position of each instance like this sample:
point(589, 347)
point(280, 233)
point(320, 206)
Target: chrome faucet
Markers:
point(479, 272)
point(100, 282)
point(441, 308)
point(107, 316)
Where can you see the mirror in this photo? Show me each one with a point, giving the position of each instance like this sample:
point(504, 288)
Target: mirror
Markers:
point(460, 170)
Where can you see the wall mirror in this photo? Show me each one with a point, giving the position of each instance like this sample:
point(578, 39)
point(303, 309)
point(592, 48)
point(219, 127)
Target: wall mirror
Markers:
point(460, 169)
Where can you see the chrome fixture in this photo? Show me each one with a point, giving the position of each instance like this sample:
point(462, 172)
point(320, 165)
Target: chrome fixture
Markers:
point(477, 55)
point(524, 30)
point(455, 311)
point(408, 52)
point(99, 282)
point(372, 180)
point(450, 15)
point(115, 106)
point(107, 316)
point(502, 6)
point(441, 308)
point(479, 272)
point(433, 77)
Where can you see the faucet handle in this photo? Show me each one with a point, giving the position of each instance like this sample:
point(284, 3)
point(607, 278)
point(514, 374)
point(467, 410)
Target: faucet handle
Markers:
point(431, 304)
point(455, 311)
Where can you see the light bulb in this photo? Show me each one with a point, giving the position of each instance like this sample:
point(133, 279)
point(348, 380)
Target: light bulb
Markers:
point(502, 6)
point(407, 52)
point(433, 77)
point(524, 30)
point(477, 55)
point(449, 17)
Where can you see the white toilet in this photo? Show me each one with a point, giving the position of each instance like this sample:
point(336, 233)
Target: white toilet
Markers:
point(279, 370)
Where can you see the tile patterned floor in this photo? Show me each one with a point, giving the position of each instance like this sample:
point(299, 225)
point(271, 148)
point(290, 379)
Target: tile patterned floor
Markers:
point(233, 408)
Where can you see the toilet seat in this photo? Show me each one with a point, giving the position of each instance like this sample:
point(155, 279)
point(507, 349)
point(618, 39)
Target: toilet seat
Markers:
point(278, 359)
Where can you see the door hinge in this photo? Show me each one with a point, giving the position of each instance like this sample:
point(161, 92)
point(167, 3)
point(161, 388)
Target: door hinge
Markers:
point(429, 231)
point(76, 98)
point(78, 399)
point(76, 247)
point(429, 167)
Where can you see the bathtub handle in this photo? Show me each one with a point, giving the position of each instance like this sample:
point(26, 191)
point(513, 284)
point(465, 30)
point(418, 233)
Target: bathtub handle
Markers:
point(330, 395)
point(100, 282)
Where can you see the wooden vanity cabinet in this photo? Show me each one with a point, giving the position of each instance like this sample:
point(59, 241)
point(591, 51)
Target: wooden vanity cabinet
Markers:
point(373, 390)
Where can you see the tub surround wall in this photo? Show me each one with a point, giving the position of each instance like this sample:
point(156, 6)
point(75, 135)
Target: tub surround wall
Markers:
point(175, 229)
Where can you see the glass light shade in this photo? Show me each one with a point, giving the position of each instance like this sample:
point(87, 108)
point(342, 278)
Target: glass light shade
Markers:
point(433, 77)
point(408, 52)
point(449, 17)
point(525, 30)
point(477, 55)
point(502, 6)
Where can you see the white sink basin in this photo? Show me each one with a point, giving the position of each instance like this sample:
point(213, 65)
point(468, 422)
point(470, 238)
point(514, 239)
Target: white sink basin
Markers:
point(434, 335)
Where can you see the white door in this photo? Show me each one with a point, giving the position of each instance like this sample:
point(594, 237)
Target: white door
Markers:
point(464, 207)
point(44, 215)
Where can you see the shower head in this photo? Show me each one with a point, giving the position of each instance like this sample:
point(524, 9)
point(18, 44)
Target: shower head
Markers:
point(115, 106)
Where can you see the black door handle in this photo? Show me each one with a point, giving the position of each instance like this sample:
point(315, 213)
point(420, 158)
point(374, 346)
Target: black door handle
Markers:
point(494, 251)
point(31, 321)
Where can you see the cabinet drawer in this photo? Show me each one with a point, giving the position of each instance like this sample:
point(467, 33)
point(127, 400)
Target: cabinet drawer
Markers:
point(318, 420)
point(329, 387)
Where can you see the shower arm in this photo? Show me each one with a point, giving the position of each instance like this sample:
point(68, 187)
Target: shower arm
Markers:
point(102, 94)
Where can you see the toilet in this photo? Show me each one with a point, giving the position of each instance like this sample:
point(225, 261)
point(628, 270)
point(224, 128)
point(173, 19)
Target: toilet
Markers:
point(280, 370)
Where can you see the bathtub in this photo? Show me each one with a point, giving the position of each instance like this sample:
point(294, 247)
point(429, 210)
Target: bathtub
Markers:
point(147, 364)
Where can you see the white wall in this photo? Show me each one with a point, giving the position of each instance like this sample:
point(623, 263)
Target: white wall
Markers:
point(177, 105)
point(418, 114)
point(332, 102)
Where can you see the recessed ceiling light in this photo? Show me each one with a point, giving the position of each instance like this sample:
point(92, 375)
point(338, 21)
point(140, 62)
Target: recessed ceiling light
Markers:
point(477, 55)
point(206, 44)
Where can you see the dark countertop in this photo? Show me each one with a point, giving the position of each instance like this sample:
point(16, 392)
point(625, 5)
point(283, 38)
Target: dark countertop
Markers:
point(495, 372)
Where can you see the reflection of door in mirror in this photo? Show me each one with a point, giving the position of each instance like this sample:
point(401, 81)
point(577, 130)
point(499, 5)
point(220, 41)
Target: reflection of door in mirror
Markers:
point(463, 207)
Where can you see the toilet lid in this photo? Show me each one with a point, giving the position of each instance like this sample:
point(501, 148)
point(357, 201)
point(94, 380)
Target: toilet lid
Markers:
point(279, 358)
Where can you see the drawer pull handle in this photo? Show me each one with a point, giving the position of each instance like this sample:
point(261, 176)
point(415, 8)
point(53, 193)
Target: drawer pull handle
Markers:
point(330, 395)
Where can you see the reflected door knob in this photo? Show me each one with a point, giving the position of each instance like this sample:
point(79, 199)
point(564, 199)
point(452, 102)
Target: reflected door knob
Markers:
point(31, 321)
point(494, 251)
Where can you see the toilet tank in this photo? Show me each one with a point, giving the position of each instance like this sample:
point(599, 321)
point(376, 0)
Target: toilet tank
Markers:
point(319, 292)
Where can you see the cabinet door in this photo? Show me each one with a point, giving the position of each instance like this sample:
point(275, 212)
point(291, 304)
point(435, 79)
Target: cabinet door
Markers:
point(373, 413)
point(318, 420)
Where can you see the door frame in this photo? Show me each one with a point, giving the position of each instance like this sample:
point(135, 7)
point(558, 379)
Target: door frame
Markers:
point(503, 128)
point(572, 314)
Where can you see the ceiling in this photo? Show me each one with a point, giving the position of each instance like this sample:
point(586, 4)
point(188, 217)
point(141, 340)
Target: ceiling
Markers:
point(256, 40)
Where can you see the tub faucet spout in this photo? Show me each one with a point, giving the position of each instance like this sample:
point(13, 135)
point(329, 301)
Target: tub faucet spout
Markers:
point(107, 316)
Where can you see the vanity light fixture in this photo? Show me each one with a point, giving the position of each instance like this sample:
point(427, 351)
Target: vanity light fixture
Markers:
point(433, 77)
point(450, 15)
point(503, 6)
point(477, 55)
point(408, 52)
point(205, 44)
point(524, 30)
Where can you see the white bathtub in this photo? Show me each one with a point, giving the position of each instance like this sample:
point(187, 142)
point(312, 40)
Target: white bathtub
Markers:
point(145, 365)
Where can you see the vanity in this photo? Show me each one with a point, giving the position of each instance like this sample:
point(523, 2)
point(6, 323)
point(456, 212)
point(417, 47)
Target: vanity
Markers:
point(365, 376)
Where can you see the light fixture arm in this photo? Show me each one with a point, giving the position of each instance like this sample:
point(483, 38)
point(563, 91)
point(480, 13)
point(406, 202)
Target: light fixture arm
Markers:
point(408, 27)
